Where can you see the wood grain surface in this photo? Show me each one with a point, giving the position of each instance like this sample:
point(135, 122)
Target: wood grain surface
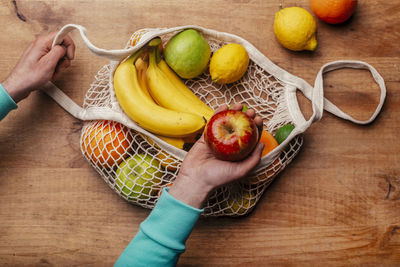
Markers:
point(337, 204)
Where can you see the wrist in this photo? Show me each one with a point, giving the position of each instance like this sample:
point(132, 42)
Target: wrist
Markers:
point(190, 192)
point(16, 92)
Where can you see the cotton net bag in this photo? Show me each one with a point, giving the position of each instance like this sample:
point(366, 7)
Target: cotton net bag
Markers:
point(110, 138)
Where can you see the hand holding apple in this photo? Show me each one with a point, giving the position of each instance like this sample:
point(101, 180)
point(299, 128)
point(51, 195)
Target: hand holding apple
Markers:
point(201, 171)
point(231, 135)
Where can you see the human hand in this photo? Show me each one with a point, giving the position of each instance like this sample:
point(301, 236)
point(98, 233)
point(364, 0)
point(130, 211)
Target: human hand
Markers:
point(39, 64)
point(201, 171)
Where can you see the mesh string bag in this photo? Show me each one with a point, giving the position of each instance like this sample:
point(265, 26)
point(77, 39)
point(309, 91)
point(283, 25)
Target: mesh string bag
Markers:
point(137, 164)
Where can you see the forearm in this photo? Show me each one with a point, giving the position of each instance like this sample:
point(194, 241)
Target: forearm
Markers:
point(6, 102)
point(162, 236)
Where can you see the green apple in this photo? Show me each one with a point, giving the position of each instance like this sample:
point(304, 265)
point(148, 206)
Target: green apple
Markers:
point(187, 53)
point(138, 177)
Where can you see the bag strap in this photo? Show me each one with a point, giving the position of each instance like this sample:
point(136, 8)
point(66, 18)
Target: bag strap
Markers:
point(63, 100)
point(309, 92)
point(319, 102)
point(57, 94)
point(113, 55)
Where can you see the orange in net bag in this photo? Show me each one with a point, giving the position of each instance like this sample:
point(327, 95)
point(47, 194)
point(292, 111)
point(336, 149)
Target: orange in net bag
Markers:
point(105, 143)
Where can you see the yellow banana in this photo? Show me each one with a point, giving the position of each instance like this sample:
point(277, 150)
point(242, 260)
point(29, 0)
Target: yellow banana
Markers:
point(204, 109)
point(166, 94)
point(144, 111)
point(141, 67)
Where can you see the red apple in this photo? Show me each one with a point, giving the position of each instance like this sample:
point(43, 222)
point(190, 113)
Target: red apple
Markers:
point(231, 135)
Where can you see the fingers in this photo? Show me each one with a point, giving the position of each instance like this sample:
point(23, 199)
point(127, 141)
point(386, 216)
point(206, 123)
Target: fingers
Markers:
point(250, 162)
point(60, 56)
point(45, 41)
point(69, 44)
point(258, 120)
point(237, 106)
point(51, 59)
point(41, 46)
point(250, 112)
point(61, 66)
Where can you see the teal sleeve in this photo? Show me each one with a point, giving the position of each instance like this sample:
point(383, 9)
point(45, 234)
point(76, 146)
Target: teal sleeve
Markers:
point(6, 103)
point(162, 236)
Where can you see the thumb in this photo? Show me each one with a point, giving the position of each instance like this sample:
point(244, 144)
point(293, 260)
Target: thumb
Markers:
point(51, 59)
point(251, 161)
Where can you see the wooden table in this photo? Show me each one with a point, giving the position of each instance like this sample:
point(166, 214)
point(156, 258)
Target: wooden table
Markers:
point(338, 203)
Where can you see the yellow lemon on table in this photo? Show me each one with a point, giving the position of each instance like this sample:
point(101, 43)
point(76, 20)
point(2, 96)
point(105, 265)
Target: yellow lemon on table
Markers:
point(295, 28)
point(229, 63)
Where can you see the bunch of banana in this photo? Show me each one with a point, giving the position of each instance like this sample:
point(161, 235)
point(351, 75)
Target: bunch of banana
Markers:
point(168, 90)
point(130, 87)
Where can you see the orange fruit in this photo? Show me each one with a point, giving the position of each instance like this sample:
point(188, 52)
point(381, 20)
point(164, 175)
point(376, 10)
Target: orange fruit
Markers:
point(333, 11)
point(135, 38)
point(106, 143)
point(269, 142)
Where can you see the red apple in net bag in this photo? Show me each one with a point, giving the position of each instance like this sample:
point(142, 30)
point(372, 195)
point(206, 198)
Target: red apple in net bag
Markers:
point(231, 135)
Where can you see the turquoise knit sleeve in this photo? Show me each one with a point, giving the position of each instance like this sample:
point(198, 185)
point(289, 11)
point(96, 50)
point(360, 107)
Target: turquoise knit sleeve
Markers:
point(6, 103)
point(162, 236)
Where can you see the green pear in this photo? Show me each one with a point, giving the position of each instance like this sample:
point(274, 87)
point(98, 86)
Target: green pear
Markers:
point(187, 53)
point(138, 177)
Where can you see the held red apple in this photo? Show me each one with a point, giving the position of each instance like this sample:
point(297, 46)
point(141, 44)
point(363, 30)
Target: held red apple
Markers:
point(231, 135)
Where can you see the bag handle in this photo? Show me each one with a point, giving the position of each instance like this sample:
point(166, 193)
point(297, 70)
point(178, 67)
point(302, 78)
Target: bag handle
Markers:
point(332, 108)
point(319, 102)
point(114, 55)
point(59, 96)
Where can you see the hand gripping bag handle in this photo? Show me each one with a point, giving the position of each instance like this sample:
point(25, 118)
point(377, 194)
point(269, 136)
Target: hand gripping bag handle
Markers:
point(65, 101)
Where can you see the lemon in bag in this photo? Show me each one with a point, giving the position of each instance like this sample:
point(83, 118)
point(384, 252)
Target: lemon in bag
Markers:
point(229, 63)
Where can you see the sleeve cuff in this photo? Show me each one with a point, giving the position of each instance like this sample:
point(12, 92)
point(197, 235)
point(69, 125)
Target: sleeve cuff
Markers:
point(171, 222)
point(6, 102)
